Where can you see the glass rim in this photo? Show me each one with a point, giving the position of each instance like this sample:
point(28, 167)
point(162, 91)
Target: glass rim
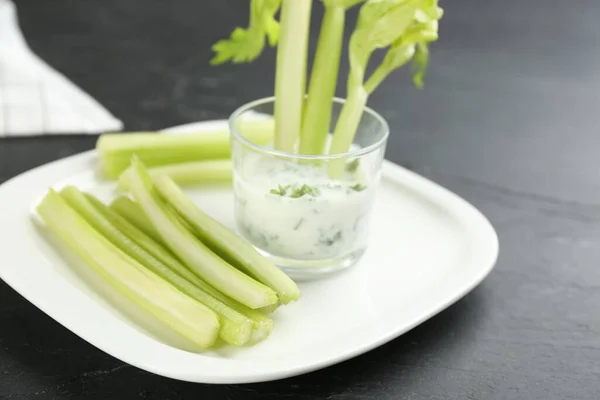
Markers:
point(262, 149)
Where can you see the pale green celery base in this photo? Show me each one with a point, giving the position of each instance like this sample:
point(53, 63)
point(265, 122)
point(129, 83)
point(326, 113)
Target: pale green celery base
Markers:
point(201, 260)
point(224, 241)
point(174, 309)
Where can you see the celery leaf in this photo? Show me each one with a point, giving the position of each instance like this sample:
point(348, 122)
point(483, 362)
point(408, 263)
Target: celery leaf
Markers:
point(246, 45)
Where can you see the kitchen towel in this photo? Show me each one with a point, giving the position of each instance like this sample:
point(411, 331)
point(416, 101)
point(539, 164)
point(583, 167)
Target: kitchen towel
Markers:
point(36, 99)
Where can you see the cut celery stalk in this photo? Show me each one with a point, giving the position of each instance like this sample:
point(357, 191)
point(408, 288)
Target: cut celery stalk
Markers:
point(290, 74)
point(345, 129)
point(224, 242)
point(235, 328)
point(153, 247)
point(403, 27)
point(269, 309)
point(199, 258)
point(188, 174)
point(317, 112)
point(133, 213)
point(179, 312)
point(116, 149)
point(262, 324)
point(131, 209)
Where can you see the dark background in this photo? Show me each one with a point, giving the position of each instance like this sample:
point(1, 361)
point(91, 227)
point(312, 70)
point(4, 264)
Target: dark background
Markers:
point(509, 119)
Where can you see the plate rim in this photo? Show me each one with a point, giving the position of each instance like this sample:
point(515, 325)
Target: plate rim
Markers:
point(477, 222)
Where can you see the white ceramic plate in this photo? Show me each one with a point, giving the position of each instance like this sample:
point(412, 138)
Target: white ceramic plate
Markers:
point(428, 249)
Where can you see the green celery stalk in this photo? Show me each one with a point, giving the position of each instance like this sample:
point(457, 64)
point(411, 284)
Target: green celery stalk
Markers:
point(290, 74)
point(133, 213)
point(345, 129)
point(189, 318)
point(262, 324)
point(246, 45)
point(269, 309)
point(156, 249)
point(411, 45)
point(405, 27)
point(199, 258)
point(116, 149)
point(188, 174)
point(317, 113)
point(235, 328)
point(226, 243)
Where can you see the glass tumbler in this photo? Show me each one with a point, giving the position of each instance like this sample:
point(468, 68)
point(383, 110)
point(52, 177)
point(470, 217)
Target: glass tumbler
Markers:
point(308, 213)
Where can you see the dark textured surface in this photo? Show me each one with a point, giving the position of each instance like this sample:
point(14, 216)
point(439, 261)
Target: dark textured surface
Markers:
point(509, 120)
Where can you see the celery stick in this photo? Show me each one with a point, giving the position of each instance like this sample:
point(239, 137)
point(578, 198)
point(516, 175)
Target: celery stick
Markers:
point(153, 247)
point(261, 323)
point(269, 309)
point(235, 328)
point(199, 258)
point(116, 149)
point(189, 318)
point(290, 74)
point(403, 27)
point(224, 242)
point(133, 213)
point(317, 113)
point(345, 129)
point(188, 174)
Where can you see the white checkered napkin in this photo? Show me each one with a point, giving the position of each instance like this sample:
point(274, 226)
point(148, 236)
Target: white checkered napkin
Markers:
point(34, 98)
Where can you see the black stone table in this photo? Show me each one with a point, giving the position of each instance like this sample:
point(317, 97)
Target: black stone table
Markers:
point(509, 119)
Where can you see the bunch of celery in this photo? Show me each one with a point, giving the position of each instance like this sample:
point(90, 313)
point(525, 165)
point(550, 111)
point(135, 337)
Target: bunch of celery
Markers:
point(173, 260)
point(187, 158)
point(404, 28)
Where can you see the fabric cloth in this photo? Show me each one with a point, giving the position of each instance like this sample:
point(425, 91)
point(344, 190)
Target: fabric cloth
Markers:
point(34, 98)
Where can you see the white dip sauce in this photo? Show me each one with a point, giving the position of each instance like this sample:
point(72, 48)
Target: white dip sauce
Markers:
point(324, 219)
